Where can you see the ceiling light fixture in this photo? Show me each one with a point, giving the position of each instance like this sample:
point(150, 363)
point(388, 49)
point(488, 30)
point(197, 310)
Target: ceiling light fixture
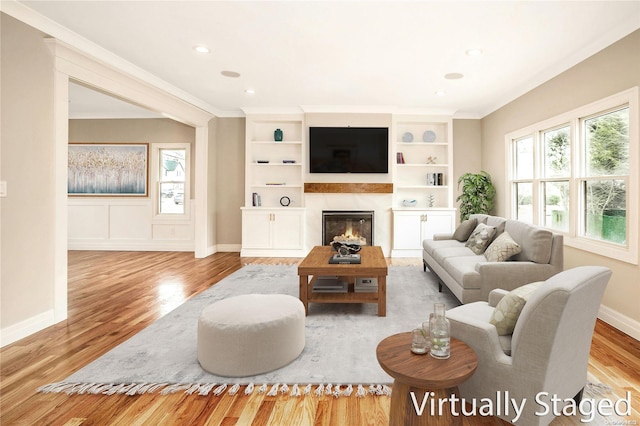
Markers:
point(249, 91)
point(474, 52)
point(440, 92)
point(231, 74)
point(453, 76)
point(200, 48)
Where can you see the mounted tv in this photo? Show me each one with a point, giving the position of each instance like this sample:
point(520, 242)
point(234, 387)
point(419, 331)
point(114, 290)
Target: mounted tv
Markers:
point(349, 149)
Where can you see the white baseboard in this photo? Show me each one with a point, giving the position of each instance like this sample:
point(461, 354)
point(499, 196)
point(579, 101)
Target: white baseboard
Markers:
point(229, 247)
point(131, 245)
point(621, 322)
point(25, 328)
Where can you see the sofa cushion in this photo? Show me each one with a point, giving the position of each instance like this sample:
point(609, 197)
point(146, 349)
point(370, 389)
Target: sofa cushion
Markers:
point(502, 248)
point(463, 270)
point(460, 251)
point(507, 311)
point(480, 238)
point(498, 222)
point(433, 246)
point(535, 242)
point(464, 230)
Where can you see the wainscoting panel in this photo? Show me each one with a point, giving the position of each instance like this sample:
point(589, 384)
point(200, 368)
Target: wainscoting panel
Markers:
point(88, 222)
point(126, 224)
point(130, 222)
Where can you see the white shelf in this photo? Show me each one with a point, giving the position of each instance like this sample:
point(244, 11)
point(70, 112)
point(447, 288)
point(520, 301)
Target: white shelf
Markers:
point(421, 165)
point(422, 186)
point(277, 142)
point(411, 177)
point(260, 145)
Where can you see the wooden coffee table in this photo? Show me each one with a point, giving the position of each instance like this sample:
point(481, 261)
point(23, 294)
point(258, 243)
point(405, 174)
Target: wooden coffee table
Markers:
point(422, 374)
point(373, 265)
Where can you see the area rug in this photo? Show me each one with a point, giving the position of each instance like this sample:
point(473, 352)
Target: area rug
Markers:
point(339, 355)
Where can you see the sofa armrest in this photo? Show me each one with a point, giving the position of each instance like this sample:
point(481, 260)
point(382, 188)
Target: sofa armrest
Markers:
point(496, 295)
point(511, 275)
point(437, 237)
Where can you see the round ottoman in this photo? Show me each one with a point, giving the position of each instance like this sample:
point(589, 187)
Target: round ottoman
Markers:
point(250, 334)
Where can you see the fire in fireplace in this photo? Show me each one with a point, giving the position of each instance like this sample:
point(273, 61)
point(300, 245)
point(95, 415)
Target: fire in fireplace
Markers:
point(353, 227)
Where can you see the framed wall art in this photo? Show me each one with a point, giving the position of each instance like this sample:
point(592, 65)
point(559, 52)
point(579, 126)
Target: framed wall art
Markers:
point(108, 169)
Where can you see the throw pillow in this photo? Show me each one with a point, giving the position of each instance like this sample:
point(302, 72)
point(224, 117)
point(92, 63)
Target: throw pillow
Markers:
point(507, 311)
point(465, 229)
point(480, 238)
point(502, 248)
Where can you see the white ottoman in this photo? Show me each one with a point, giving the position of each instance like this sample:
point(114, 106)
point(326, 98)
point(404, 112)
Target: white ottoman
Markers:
point(250, 334)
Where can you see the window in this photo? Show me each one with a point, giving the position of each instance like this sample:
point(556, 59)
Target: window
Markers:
point(578, 174)
point(172, 171)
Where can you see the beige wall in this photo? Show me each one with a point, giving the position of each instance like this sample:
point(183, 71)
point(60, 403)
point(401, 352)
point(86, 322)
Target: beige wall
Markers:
point(466, 152)
point(148, 130)
point(610, 71)
point(229, 190)
point(26, 164)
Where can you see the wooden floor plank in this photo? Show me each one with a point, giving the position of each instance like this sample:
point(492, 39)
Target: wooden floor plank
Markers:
point(114, 295)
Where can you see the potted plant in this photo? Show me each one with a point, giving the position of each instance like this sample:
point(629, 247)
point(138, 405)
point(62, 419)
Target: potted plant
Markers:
point(477, 194)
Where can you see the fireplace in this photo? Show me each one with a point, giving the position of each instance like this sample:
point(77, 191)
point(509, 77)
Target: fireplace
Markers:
point(347, 226)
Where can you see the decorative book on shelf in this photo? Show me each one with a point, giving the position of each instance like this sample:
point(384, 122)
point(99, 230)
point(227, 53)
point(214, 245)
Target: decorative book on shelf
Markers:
point(400, 158)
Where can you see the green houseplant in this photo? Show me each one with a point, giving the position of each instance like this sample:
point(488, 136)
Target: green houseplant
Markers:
point(477, 194)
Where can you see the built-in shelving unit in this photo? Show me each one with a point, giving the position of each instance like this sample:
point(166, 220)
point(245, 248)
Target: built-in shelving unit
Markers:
point(423, 171)
point(273, 215)
point(423, 167)
point(274, 169)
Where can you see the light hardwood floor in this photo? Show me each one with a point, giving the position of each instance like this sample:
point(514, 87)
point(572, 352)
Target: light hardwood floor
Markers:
point(114, 295)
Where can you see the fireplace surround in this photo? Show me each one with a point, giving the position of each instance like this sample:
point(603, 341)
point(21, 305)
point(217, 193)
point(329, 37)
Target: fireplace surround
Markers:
point(352, 226)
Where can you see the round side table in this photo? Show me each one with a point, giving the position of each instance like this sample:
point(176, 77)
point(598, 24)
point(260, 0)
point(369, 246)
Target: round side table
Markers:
point(423, 374)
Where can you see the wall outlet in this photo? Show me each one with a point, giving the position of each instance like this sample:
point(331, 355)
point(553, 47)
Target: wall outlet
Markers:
point(3, 188)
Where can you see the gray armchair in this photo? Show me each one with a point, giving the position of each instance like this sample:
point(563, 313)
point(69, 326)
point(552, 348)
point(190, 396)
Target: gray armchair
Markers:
point(548, 350)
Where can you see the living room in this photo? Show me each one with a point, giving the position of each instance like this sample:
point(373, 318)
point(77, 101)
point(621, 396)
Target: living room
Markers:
point(34, 218)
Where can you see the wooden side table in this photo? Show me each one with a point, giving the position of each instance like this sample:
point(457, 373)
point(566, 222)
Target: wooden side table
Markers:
point(423, 374)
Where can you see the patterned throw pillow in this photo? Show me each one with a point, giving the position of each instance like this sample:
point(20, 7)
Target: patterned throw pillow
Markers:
point(480, 238)
point(502, 248)
point(465, 229)
point(507, 311)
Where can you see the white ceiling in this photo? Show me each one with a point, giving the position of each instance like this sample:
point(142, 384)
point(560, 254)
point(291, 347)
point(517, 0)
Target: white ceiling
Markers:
point(348, 53)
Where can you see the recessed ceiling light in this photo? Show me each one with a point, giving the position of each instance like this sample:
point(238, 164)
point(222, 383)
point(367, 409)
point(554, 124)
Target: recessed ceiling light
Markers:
point(440, 92)
point(453, 76)
point(249, 91)
point(474, 52)
point(201, 49)
point(231, 74)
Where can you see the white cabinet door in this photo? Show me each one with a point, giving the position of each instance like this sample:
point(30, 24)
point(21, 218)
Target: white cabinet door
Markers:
point(256, 229)
point(287, 230)
point(407, 234)
point(411, 227)
point(436, 222)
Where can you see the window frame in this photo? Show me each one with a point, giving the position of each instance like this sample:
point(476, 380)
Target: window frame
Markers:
point(155, 190)
point(578, 174)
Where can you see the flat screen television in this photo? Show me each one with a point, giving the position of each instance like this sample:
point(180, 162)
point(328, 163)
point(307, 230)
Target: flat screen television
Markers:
point(348, 149)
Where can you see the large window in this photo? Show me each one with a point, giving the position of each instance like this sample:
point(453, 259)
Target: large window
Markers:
point(578, 174)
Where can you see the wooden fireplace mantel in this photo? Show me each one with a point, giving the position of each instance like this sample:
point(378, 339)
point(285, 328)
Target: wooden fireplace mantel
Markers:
point(349, 188)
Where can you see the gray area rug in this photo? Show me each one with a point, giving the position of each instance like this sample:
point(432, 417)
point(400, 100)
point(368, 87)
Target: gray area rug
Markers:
point(341, 339)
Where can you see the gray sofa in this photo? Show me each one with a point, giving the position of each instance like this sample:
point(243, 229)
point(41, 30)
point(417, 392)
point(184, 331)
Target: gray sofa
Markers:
point(470, 277)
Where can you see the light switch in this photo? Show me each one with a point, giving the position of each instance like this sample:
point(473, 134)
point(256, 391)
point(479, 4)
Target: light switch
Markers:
point(3, 188)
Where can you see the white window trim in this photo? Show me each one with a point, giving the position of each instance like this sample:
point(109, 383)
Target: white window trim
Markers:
point(572, 238)
point(155, 177)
